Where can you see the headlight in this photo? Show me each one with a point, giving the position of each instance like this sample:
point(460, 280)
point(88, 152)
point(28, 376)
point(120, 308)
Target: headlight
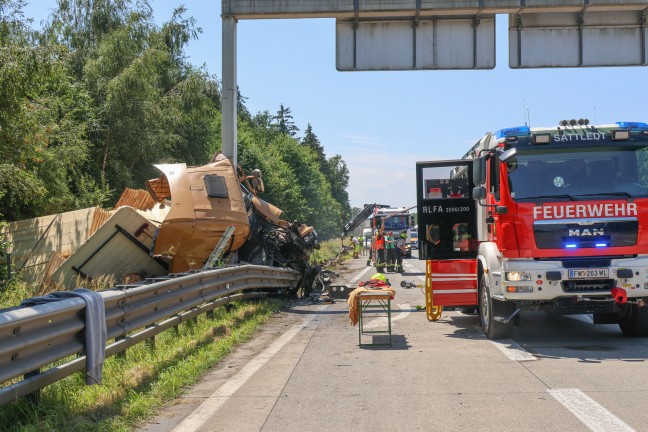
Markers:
point(514, 276)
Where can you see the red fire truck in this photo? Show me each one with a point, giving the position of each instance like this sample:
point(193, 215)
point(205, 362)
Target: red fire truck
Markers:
point(552, 218)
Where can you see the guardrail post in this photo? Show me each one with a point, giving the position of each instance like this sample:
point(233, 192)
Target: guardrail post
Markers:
point(121, 354)
point(34, 397)
point(150, 342)
point(210, 314)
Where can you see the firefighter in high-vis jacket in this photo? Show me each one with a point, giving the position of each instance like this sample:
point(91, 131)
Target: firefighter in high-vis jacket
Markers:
point(380, 250)
point(400, 251)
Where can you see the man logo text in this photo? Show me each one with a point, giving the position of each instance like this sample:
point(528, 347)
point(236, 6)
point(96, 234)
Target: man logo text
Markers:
point(586, 232)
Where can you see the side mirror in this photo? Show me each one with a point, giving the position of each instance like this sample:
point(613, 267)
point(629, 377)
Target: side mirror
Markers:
point(479, 193)
point(479, 170)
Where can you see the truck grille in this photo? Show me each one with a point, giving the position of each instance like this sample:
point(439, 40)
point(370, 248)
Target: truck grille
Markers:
point(586, 263)
point(585, 286)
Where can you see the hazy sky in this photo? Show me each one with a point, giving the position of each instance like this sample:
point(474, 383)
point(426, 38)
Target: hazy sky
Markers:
point(383, 122)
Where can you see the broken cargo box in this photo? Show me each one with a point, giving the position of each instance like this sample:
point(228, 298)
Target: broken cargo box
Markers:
point(118, 249)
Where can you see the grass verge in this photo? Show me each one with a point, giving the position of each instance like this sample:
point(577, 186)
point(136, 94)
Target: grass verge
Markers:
point(134, 388)
point(328, 249)
point(15, 292)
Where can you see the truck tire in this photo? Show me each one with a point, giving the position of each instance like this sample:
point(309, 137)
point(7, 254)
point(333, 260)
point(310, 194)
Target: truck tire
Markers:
point(635, 324)
point(489, 309)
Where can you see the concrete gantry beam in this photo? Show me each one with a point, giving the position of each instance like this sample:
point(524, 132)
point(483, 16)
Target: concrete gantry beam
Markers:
point(266, 9)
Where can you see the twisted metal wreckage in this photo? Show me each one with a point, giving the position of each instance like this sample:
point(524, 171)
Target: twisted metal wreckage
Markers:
point(182, 219)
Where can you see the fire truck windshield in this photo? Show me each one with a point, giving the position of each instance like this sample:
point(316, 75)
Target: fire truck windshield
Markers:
point(397, 223)
point(579, 173)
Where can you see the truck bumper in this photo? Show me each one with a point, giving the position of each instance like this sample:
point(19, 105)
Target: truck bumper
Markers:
point(533, 280)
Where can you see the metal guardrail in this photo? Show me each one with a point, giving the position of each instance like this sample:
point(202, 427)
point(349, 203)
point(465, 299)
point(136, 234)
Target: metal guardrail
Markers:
point(32, 338)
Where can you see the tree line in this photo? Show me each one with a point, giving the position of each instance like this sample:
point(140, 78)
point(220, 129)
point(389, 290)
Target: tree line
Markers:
point(97, 95)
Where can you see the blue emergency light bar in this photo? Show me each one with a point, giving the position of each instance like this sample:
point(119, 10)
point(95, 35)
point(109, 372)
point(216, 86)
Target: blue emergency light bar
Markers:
point(575, 245)
point(633, 125)
point(519, 130)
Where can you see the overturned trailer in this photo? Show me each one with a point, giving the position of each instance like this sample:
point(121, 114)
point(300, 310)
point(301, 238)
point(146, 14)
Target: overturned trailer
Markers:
point(172, 227)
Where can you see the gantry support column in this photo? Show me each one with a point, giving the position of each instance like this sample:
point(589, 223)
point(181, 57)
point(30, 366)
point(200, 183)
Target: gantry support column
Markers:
point(229, 92)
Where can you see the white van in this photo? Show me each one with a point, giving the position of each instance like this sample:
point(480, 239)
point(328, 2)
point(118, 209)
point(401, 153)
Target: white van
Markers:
point(366, 235)
point(413, 238)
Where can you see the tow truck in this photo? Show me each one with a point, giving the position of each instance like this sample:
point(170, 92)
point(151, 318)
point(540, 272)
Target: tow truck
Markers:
point(542, 218)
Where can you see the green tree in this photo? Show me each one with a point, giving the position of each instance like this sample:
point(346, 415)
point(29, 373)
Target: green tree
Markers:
point(152, 106)
point(241, 109)
point(283, 121)
point(44, 116)
point(12, 21)
point(310, 140)
point(82, 25)
point(339, 178)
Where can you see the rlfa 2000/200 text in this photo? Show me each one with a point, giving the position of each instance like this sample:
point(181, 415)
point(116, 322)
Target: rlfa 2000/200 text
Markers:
point(440, 209)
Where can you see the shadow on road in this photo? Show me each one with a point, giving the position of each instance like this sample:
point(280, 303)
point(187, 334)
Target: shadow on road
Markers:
point(399, 342)
point(407, 274)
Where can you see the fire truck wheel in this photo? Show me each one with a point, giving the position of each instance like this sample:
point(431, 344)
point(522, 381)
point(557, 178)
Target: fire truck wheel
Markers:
point(635, 324)
point(489, 309)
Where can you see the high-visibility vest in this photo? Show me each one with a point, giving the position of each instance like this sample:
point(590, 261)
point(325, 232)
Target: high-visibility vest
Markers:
point(380, 242)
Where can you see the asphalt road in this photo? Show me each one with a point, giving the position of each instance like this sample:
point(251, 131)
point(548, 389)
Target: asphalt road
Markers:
point(305, 372)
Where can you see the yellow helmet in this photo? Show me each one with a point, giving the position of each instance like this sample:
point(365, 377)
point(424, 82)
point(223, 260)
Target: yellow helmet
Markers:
point(379, 276)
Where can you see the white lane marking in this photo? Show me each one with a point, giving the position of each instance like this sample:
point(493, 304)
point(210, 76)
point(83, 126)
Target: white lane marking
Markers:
point(513, 351)
point(203, 413)
point(359, 275)
point(590, 412)
point(405, 310)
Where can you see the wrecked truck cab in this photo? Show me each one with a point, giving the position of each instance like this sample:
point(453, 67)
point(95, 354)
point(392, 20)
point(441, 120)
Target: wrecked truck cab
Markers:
point(204, 201)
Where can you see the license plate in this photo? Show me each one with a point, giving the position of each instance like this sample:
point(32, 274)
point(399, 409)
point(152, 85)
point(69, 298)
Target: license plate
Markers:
point(591, 273)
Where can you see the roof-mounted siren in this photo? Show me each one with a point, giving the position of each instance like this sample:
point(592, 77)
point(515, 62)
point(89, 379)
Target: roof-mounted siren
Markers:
point(510, 135)
point(623, 134)
point(628, 126)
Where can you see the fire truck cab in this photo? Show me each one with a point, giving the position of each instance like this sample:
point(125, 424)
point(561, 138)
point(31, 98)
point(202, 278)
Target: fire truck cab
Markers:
point(551, 218)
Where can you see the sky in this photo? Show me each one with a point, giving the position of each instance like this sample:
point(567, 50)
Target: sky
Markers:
point(382, 123)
